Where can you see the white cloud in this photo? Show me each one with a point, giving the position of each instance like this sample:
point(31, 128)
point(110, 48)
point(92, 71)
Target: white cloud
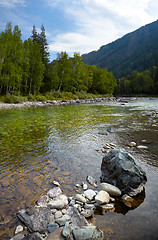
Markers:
point(11, 3)
point(99, 22)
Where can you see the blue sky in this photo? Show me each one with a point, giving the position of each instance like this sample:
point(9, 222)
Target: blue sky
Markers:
point(78, 25)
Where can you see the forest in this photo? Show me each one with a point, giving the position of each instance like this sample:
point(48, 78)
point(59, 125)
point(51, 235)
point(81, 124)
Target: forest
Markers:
point(138, 83)
point(26, 70)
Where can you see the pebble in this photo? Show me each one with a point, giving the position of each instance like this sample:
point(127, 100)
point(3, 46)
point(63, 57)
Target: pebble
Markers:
point(91, 181)
point(66, 230)
point(127, 200)
point(42, 202)
point(142, 147)
point(111, 189)
point(54, 210)
point(19, 229)
point(56, 204)
point(107, 206)
point(88, 232)
point(87, 213)
point(64, 211)
point(89, 206)
point(112, 199)
point(102, 197)
point(58, 214)
point(61, 221)
point(52, 227)
point(110, 130)
point(54, 192)
point(80, 203)
point(104, 150)
point(56, 183)
point(80, 198)
point(84, 186)
point(78, 185)
point(90, 194)
point(132, 144)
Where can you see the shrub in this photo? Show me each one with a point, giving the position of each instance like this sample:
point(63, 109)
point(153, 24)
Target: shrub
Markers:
point(14, 99)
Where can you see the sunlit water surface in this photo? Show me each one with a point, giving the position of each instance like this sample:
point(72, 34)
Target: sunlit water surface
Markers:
point(63, 143)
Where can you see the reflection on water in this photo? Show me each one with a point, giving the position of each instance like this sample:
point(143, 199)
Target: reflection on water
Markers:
point(62, 143)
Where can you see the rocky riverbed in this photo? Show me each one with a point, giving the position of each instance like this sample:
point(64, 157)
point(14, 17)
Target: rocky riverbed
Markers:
point(56, 216)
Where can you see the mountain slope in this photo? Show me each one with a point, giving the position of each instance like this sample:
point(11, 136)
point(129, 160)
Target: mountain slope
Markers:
point(137, 50)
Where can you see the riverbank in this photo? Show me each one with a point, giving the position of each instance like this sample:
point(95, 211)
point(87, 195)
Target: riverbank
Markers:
point(47, 103)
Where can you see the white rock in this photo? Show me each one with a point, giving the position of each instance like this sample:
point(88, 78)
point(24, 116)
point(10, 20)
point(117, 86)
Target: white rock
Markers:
point(54, 192)
point(42, 201)
point(132, 144)
point(56, 204)
point(90, 194)
point(89, 206)
point(142, 147)
point(84, 186)
point(56, 183)
point(112, 190)
point(62, 197)
point(112, 199)
point(58, 214)
point(107, 206)
point(102, 197)
point(80, 198)
point(78, 185)
point(54, 210)
point(64, 211)
point(19, 229)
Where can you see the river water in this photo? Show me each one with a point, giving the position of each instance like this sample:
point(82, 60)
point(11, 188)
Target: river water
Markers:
point(63, 143)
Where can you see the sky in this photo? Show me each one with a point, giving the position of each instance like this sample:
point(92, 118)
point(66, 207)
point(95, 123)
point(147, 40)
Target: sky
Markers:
point(78, 25)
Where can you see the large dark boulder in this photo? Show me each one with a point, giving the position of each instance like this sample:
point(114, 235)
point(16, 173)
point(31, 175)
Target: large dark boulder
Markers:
point(119, 169)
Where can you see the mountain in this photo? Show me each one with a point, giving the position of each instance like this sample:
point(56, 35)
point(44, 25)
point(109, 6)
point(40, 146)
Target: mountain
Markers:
point(137, 50)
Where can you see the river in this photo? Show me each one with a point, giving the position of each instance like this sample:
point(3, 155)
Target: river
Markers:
point(63, 143)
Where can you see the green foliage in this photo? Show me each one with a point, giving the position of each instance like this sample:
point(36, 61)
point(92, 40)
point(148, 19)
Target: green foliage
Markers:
point(25, 69)
point(34, 98)
point(138, 83)
point(14, 99)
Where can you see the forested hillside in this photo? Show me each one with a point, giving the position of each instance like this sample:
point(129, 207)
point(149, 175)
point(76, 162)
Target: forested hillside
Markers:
point(135, 51)
point(25, 68)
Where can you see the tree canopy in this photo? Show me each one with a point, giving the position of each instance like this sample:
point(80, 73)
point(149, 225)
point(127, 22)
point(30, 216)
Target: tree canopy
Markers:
point(25, 67)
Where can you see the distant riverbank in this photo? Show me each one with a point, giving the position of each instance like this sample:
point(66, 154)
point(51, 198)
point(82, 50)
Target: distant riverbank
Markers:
point(4, 105)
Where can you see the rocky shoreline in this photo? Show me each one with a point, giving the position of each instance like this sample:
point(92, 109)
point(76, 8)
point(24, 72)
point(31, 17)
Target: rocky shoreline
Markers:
point(55, 216)
point(63, 102)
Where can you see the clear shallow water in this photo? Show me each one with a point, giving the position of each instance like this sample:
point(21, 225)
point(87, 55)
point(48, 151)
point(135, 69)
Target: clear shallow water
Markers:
point(62, 143)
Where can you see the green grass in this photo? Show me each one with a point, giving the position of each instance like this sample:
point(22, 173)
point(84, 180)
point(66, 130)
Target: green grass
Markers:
point(53, 95)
